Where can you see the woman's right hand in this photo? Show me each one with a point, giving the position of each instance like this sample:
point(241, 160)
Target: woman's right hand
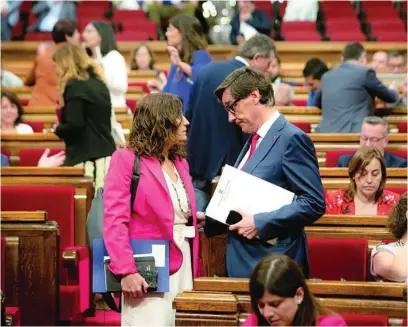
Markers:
point(154, 86)
point(134, 285)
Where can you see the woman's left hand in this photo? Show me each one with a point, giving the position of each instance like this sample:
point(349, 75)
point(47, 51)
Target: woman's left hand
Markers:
point(174, 55)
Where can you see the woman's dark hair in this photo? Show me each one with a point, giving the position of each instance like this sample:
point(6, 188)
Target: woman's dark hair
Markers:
point(192, 36)
point(279, 275)
point(397, 220)
point(62, 28)
point(108, 41)
point(133, 64)
point(155, 122)
point(12, 97)
point(358, 163)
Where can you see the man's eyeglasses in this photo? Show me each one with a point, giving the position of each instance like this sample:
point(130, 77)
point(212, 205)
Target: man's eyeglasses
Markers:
point(371, 139)
point(230, 107)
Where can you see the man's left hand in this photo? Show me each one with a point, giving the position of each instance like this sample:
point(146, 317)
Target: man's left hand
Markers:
point(246, 227)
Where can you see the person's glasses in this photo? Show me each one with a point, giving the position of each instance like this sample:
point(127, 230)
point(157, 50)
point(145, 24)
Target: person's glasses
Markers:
point(372, 140)
point(230, 107)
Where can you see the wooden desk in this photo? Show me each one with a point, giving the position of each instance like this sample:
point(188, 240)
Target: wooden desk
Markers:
point(289, 52)
point(397, 173)
point(48, 115)
point(32, 270)
point(62, 176)
point(16, 142)
point(226, 301)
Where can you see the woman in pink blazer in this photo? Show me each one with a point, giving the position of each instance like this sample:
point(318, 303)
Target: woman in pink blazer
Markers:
point(164, 207)
point(280, 297)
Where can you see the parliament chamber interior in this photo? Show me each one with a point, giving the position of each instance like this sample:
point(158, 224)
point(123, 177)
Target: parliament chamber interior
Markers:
point(46, 198)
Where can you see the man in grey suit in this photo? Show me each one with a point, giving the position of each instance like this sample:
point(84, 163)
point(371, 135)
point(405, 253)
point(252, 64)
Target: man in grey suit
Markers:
point(347, 93)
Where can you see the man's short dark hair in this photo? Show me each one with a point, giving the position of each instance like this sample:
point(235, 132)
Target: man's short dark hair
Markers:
point(315, 68)
point(353, 51)
point(243, 81)
point(62, 28)
point(395, 54)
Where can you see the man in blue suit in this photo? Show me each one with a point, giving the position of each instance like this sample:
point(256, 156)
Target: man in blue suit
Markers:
point(212, 141)
point(374, 133)
point(277, 152)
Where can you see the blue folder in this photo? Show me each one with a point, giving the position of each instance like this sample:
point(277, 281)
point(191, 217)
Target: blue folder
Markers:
point(140, 247)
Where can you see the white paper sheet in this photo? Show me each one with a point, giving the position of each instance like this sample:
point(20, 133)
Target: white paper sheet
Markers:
point(239, 190)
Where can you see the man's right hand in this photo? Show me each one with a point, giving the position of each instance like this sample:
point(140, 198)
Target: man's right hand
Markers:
point(134, 285)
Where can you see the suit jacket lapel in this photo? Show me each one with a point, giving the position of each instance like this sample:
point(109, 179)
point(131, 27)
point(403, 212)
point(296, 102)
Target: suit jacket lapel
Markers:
point(155, 168)
point(243, 152)
point(266, 144)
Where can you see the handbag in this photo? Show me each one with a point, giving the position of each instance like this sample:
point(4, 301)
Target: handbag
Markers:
point(94, 222)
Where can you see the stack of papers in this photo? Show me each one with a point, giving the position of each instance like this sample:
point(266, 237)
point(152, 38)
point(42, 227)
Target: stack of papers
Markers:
point(237, 189)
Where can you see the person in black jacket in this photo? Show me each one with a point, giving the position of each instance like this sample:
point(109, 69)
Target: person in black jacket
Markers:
point(85, 124)
point(249, 21)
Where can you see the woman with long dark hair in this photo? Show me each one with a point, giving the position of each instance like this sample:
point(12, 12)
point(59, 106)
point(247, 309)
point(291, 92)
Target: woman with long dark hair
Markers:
point(281, 297)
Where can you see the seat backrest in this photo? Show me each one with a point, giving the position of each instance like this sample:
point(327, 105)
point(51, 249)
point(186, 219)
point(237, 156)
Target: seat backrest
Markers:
point(37, 126)
point(335, 259)
point(398, 190)
point(399, 153)
point(30, 157)
point(402, 127)
point(305, 127)
point(333, 156)
point(353, 319)
point(3, 261)
point(57, 201)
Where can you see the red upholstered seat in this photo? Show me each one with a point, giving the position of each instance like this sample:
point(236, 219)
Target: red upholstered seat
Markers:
point(38, 37)
point(142, 85)
point(121, 15)
point(333, 156)
point(37, 126)
point(14, 313)
point(398, 190)
point(101, 318)
point(24, 102)
point(328, 262)
point(58, 202)
point(299, 103)
point(352, 319)
point(402, 127)
point(131, 103)
point(303, 126)
point(30, 157)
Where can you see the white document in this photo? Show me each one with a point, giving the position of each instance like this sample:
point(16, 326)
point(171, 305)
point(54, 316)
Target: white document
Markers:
point(239, 190)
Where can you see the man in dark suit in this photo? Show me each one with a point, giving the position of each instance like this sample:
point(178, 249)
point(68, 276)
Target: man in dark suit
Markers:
point(277, 152)
point(347, 93)
point(212, 141)
point(374, 133)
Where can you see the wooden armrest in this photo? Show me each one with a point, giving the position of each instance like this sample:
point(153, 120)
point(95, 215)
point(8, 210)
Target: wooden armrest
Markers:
point(73, 255)
point(24, 216)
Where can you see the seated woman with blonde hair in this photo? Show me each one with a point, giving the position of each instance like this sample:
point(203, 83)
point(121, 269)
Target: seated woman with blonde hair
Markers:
point(389, 261)
point(365, 194)
point(281, 297)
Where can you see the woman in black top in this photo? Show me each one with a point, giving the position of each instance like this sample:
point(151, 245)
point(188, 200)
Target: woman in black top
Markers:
point(85, 124)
